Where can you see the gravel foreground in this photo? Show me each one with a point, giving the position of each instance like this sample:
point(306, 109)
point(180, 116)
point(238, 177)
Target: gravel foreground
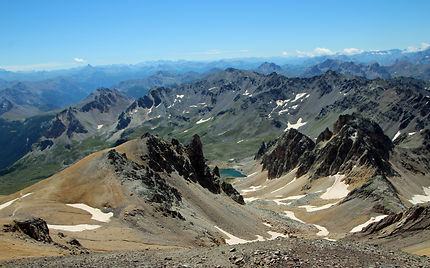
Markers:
point(290, 252)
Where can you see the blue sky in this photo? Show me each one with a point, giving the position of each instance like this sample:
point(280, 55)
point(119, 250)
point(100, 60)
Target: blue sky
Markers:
point(61, 34)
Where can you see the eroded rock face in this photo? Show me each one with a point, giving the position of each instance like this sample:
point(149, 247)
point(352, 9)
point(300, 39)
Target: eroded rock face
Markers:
point(103, 100)
point(143, 181)
point(324, 136)
point(165, 158)
point(203, 173)
point(416, 218)
point(261, 151)
point(356, 141)
point(285, 154)
point(35, 228)
point(233, 193)
point(381, 192)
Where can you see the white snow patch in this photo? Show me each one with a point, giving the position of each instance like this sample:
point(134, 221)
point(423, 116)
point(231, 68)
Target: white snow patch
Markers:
point(212, 88)
point(323, 231)
point(283, 111)
point(194, 106)
point(397, 134)
point(252, 174)
point(246, 93)
point(99, 126)
point(96, 214)
point(179, 96)
point(5, 205)
point(294, 106)
point(282, 102)
point(27, 194)
point(253, 188)
point(250, 199)
point(294, 197)
point(222, 133)
point(360, 227)
point(185, 131)
point(74, 228)
point(234, 240)
point(412, 133)
point(239, 141)
point(203, 120)
point(292, 216)
point(310, 208)
point(419, 198)
point(268, 225)
point(354, 136)
point(338, 190)
point(275, 235)
point(296, 125)
point(298, 96)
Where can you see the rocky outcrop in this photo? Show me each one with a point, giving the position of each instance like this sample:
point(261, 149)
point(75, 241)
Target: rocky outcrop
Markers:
point(261, 151)
point(188, 161)
point(413, 152)
point(143, 181)
point(381, 193)
point(66, 121)
point(45, 144)
point(233, 193)
point(56, 128)
point(35, 228)
point(324, 136)
point(415, 219)
point(356, 141)
point(103, 99)
point(203, 173)
point(285, 153)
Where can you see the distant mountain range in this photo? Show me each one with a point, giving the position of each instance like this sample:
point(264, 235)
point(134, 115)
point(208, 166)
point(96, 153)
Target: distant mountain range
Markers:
point(232, 111)
point(32, 92)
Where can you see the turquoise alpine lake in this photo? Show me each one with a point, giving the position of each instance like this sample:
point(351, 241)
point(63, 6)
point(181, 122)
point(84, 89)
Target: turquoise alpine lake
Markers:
point(230, 172)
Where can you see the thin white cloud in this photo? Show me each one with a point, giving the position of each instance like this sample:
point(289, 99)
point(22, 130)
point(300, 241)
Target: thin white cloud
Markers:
point(319, 51)
point(410, 49)
point(244, 50)
point(29, 67)
point(209, 52)
point(284, 53)
point(80, 60)
point(352, 51)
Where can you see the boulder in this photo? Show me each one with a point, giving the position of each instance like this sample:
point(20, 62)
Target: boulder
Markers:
point(35, 228)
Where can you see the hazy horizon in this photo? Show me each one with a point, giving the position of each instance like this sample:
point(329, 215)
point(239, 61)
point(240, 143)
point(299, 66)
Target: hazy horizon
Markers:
point(52, 35)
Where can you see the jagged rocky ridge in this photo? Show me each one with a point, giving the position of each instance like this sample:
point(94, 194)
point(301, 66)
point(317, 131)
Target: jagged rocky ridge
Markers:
point(187, 161)
point(414, 219)
point(83, 119)
point(355, 141)
point(357, 148)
